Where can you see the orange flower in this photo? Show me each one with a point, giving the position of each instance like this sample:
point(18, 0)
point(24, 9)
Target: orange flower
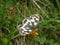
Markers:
point(11, 10)
point(11, 15)
point(34, 32)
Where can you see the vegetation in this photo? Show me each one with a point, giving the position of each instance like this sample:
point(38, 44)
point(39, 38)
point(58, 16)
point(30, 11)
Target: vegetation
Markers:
point(12, 12)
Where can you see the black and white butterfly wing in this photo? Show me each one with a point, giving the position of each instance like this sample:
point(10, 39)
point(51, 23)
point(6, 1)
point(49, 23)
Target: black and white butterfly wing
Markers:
point(28, 24)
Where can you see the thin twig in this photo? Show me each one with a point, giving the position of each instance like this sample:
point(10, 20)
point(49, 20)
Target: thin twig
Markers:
point(58, 5)
point(17, 42)
point(40, 8)
point(24, 41)
point(21, 41)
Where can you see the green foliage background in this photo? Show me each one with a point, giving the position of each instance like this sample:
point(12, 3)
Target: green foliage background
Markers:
point(49, 27)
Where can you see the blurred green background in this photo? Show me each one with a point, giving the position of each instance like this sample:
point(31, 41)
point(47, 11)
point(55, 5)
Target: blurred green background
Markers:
point(12, 12)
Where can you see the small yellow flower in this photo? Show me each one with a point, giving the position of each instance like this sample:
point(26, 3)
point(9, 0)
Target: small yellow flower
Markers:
point(34, 32)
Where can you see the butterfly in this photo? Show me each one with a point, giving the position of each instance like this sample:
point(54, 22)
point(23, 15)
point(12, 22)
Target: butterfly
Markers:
point(28, 25)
